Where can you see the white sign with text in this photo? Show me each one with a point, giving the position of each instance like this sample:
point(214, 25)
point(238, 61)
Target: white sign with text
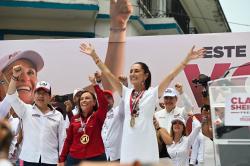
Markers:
point(237, 112)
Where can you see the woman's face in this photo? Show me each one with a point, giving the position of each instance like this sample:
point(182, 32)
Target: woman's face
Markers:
point(27, 80)
point(178, 126)
point(137, 75)
point(87, 102)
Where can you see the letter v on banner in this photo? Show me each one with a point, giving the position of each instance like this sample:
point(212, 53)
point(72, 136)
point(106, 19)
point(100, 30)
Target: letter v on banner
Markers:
point(244, 70)
point(192, 71)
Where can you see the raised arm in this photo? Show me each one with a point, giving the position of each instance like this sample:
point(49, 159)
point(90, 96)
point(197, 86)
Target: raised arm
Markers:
point(89, 50)
point(163, 133)
point(187, 104)
point(16, 103)
point(196, 126)
point(190, 56)
point(120, 11)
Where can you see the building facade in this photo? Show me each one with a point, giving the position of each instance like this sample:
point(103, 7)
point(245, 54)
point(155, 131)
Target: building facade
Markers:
point(34, 19)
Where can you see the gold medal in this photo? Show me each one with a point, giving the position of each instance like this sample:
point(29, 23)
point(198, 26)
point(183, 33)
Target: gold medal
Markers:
point(84, 139)
point(132, 121)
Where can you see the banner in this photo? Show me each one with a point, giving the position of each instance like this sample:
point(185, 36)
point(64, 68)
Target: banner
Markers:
point(67, 69)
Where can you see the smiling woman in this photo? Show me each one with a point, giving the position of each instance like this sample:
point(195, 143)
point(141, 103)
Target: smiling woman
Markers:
point(140, 102)
point(26, 82)
point(83, 141)
point(32, 63)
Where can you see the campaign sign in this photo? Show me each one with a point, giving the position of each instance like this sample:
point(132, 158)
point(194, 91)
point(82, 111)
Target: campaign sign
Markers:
point(237, 111)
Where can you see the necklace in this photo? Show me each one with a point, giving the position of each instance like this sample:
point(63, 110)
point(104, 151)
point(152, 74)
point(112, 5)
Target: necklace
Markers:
point(134, 105)
point(85, 137)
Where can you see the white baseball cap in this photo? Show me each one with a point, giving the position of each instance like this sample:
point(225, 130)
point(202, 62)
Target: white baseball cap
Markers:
point(170, 92)
point(179, 118)
point(43, 85)
point(30, 55)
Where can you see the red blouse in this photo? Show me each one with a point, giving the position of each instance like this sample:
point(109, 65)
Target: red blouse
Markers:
point(94, 147)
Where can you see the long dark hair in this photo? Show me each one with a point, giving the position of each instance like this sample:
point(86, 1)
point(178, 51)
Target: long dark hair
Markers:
point(94, 97)
point(146, 71)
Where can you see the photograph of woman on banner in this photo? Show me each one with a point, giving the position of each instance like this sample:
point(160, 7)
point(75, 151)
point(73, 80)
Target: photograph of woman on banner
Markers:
point(140, 104)
point(32, 62)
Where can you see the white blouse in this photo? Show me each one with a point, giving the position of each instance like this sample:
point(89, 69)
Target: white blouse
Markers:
point(140, 142)
point(179, 151)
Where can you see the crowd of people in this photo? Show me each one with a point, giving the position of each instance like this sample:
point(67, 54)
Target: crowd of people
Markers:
point(94, 129)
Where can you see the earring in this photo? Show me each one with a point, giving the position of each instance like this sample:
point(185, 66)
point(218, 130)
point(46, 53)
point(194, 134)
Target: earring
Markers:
point(2, 82)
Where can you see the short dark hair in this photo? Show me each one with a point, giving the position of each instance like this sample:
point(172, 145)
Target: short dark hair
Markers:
point(147, 71)
point(205, 107)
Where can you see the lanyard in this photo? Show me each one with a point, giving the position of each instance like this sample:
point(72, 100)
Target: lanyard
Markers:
point(135, 102)
point(83, 125)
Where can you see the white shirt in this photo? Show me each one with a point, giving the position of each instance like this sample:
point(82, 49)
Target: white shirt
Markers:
point(179, 151)
point(198, 150)
point(5, 162)
point(4, 108)
point(14, 123)
point(112, 132)
point(164, 117)
point(140, 142)
point(209, 158)
point(43, 133)
point(14, 150)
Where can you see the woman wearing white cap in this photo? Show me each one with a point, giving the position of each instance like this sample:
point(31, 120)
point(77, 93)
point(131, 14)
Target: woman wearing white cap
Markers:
point(32, 62)
point(178, 144)
point(139, 106)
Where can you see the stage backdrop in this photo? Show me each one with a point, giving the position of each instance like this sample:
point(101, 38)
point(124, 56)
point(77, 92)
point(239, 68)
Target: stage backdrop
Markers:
point(66, 68)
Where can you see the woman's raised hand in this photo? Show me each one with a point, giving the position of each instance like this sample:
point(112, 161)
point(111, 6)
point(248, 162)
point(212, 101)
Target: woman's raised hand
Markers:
point(87, 48)
point(195, 54)
point(17, 70)
point(120, 11)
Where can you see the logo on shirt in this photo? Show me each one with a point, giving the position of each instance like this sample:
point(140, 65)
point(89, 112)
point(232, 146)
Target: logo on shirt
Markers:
point(36, 115)
point(51, 119)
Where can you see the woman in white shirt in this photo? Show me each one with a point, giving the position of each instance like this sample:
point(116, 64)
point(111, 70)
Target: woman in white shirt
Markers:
point(178, 144)
point(138, 142)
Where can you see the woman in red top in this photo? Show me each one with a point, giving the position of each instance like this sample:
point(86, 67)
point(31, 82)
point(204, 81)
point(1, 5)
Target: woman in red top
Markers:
point(84, 141)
